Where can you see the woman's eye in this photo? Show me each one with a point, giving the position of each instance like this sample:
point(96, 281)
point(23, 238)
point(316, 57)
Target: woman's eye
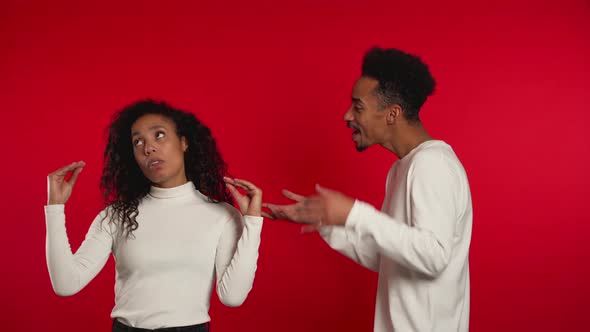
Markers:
point(160, 134)
point(137, 142)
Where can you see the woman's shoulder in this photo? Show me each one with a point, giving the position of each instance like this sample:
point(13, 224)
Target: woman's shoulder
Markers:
point(223, 209)
point(108, 219)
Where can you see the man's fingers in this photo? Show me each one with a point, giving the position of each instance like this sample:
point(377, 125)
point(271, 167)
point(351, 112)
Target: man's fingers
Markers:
point(276, 211)
point(292, 195)
point(323, 190)
point(272, 207)
point(267, 215)
point(310, 228)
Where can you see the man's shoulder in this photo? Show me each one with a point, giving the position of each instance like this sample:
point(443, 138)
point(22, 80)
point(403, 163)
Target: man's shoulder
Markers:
point(437, 155)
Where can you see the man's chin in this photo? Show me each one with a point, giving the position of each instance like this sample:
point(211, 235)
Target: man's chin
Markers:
point(361, 148)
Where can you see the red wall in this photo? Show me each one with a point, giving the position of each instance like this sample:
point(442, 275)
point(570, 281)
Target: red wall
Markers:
point(273, 83)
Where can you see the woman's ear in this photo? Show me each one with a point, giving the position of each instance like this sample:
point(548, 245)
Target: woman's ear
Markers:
point(183, 144)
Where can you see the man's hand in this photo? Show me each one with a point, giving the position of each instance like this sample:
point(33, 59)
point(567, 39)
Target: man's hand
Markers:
point(326, 207)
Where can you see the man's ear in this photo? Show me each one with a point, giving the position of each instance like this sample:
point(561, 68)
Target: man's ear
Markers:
point(394, 113)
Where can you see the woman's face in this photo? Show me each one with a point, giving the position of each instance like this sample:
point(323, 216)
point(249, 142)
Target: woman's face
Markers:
point(158, 150)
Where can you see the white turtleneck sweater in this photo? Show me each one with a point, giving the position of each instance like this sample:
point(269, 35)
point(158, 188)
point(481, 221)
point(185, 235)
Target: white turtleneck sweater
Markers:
point(166, 270)
point(418, 242)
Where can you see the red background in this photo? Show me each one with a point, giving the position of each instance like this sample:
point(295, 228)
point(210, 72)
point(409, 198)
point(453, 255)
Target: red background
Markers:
point(272, 80)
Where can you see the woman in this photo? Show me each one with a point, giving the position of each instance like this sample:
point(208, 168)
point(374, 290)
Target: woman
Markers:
point(169, 223)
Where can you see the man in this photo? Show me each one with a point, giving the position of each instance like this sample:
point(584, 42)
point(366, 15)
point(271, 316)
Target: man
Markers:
point(419, 241)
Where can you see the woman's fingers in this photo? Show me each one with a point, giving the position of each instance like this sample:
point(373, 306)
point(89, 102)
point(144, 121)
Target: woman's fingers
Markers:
point(242, 201)
point(232, 189)
point(58, 188)
point(236, 183)
point(62, 172)
point(248, 186)
point(75, 175)
point(250, 204)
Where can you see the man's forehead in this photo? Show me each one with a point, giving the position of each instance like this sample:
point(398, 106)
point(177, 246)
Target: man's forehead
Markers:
point(363, 86)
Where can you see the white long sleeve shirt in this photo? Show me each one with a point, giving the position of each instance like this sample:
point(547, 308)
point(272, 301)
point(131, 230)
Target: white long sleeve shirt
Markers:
point(166, 270)
point(419, 242)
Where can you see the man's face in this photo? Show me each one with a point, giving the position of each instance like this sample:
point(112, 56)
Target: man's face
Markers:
point(364, 116)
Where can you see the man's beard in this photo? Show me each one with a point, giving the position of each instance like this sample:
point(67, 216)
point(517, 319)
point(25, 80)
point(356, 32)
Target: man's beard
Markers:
point(360, 148)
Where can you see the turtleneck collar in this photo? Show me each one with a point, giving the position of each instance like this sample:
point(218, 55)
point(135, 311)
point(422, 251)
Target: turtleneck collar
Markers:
point(182, 190)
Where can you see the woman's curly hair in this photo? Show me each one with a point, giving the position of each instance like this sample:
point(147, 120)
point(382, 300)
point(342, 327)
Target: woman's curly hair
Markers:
point(123, 184)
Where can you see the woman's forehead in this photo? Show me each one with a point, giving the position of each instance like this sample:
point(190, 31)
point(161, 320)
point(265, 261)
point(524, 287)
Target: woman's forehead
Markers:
point(151, 122)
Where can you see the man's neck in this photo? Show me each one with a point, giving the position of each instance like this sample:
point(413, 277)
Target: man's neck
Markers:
point(407, 139)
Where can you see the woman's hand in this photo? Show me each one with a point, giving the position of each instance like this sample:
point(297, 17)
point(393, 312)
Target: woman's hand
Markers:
point(251, 203)
point(59, 189)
